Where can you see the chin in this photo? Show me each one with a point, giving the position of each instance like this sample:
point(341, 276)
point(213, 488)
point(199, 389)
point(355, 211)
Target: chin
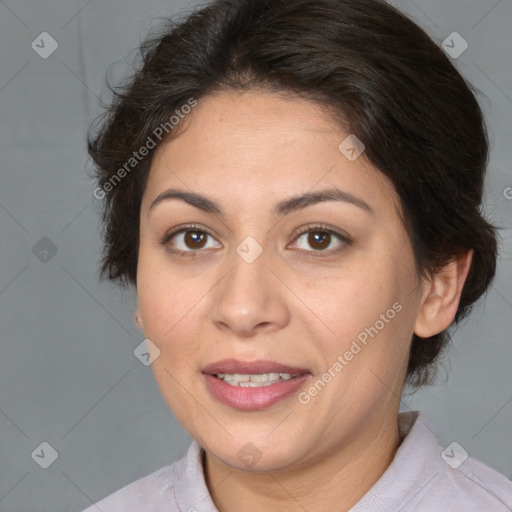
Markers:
point(256, 456)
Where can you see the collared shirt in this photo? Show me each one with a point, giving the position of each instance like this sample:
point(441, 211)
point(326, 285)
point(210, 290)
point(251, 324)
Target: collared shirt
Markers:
point(423, 477)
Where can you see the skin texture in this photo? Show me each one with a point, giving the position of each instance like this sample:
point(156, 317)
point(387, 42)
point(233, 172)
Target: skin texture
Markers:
point(249, 151)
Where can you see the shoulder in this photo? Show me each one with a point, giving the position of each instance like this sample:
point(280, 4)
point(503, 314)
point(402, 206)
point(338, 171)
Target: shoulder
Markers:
point(180, 486)
point(472, 484)
point(154, 492)
point(424, 477)
point(451, 479)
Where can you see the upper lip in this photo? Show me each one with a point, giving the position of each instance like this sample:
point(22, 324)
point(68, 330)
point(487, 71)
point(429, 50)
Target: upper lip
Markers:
point(231, 366)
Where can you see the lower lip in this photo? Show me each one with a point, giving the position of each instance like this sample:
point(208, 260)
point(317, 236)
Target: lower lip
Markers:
point(252, 399)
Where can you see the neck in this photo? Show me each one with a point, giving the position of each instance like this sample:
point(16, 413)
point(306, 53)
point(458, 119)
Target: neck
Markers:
point(342, 476)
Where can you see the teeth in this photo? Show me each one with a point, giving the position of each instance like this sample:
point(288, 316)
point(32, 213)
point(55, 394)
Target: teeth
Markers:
point(264, 377)
point(239, 378)
point(252, 384)
point(253, 381)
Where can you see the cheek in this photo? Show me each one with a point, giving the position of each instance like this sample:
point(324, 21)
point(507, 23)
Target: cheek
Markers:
point(167, 304)
point(171, 313)
point(350, 299)
point(365, 312)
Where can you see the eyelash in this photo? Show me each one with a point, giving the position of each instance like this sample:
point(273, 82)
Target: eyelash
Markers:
point(316, 228)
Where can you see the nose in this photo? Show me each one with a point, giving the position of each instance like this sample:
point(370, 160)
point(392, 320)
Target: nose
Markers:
point(250, 299)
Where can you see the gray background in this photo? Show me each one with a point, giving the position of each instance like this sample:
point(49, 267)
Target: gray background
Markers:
point(68, 375)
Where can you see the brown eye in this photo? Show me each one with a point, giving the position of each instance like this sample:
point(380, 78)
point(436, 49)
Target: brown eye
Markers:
point(321, 241)
point(195, 239)
point(188, 240)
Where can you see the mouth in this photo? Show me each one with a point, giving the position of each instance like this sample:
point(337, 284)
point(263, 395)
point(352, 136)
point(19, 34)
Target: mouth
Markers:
point(252, 385)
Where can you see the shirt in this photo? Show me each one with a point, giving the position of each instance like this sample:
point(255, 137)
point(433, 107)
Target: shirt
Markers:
point(423, 477)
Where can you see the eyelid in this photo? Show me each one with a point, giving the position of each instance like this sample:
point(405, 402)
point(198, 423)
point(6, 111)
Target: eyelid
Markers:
point(323, 228)
point(186, 227)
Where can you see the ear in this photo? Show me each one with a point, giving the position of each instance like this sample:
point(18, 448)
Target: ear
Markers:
point(442, 296)
point(138, 319)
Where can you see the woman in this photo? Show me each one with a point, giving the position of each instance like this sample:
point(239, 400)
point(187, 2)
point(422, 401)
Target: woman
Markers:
point(294, 187)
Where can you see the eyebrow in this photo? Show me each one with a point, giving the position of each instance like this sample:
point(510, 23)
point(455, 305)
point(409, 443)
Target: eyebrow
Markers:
point(282, 208)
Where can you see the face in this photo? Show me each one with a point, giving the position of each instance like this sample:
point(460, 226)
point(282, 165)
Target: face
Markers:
point(315, 298)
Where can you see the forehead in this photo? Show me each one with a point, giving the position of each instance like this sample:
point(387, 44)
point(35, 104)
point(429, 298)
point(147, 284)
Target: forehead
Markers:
point(258, 146)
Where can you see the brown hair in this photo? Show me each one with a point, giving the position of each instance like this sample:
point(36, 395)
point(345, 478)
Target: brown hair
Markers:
point(380, 75)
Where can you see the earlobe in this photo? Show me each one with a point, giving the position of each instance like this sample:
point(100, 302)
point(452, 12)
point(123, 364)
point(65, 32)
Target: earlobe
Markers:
point(138, 319)
point(442, 296)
